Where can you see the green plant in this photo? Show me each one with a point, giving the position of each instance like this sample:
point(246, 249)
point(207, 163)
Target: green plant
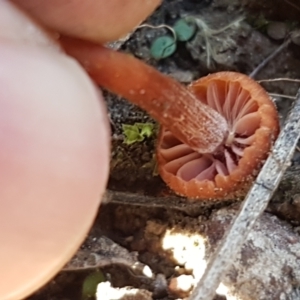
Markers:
point(163, 47)
point(166, 45)
point(183, 30)
point(137, 132)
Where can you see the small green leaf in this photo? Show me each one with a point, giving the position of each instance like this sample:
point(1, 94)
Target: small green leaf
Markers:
point(89, 287)
point(132, 134)
point(146, 129)
point(184, 30)
point(131, 137)
point(140, 138)
point(137, 132)
point(126, 127)
point(163, 47)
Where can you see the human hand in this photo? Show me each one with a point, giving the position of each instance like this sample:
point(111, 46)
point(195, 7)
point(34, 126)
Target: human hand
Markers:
point(54, 134)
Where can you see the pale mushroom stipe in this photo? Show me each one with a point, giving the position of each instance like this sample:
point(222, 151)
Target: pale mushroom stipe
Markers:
point(215, 134)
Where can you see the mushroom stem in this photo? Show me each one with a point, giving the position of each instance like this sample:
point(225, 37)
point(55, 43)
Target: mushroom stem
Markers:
point(166, 100)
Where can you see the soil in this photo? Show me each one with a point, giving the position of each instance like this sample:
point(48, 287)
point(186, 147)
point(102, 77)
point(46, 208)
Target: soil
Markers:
point(142, 210)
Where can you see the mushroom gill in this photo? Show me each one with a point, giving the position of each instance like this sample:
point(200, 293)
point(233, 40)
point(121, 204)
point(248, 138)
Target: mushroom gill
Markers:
point(253, 126)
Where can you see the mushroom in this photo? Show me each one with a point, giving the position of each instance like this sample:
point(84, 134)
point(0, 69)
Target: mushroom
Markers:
point(215, 135)
point(228, 171)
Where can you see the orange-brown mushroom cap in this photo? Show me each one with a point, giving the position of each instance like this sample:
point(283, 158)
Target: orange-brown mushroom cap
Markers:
point(253, 126)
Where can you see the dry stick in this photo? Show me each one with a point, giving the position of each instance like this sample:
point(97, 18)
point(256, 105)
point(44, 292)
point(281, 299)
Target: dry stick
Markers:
point(279, 79)
point(269, 58)
point(282, 96)
point(166, 100)
point(254, 204)
point(136, 268)
point(292, 4)
point(158, 27)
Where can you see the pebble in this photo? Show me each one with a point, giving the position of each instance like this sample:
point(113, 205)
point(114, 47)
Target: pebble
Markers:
point(181, 285)
point(277, 30)
point(295, 37)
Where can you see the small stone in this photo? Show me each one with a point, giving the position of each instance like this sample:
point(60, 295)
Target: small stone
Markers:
point(295, 37)
point(277, 30)
point(181, 286)
point(160, 286)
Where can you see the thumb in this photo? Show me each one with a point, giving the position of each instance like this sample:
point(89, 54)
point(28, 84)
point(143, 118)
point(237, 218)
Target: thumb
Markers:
point(54, 156)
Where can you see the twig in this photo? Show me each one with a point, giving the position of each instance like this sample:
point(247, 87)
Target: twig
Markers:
point(173, 201)
point(282, 96)
point(104, 252)
point(254, 204)
point(292, 4)
point(269, 58)
point(102, 262)
point(279, 79)
point(160, 26)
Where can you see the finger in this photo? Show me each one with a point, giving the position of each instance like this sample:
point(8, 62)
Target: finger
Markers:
point(100, 21)
point(54, 159)
point(16, 26)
